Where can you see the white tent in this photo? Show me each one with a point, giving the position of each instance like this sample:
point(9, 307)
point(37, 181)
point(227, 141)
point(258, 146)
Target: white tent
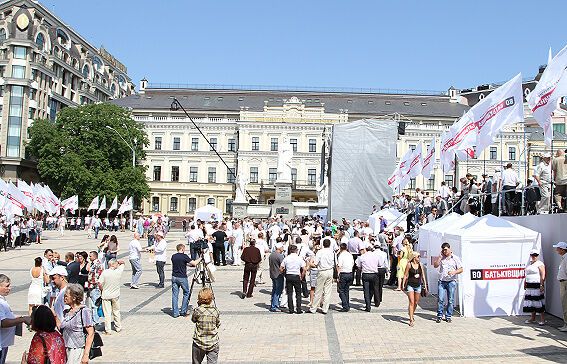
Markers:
point(392, 216)
point(494, 253)
point(208, 213)
point(430, 240)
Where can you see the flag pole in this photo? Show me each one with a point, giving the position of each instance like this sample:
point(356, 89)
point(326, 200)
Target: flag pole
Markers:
point(551, 188)
point(501, 199)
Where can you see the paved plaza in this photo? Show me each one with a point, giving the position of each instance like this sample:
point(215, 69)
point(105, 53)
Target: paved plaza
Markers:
point(249, 333)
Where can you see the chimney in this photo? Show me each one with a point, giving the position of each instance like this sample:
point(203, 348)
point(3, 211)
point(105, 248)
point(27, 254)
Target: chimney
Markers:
point(143, 85)
point(453, 94)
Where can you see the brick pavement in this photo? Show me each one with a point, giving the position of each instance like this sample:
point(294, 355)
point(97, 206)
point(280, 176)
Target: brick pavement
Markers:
point(249, 333)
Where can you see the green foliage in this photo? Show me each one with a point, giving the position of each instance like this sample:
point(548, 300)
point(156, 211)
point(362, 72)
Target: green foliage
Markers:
point(78, 154)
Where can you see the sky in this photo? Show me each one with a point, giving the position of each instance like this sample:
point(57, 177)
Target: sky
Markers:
point(396, 44)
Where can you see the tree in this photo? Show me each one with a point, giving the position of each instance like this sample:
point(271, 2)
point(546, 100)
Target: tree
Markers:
point(79, 155)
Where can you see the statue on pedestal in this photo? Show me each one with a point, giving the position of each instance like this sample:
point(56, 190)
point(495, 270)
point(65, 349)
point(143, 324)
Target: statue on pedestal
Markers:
point(285, 154)
point(241, 182)
point(322, 193)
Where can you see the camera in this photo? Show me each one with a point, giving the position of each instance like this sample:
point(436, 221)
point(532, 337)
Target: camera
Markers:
point(200, 245)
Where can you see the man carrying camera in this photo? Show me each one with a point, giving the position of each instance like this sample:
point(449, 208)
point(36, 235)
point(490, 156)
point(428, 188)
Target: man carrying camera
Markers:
point(180, 261)
point(193, 236)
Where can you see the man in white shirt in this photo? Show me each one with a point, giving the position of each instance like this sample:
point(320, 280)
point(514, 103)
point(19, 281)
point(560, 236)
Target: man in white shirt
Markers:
point(510, 181)
point(292, 265)
point(353, 246)
point(345, 262)
point(444, 191)
point(58, 276)
point(160, 250)
point(324, 261)
point(561, 249)
point(109, 285)
point(135, 257)
point(193, 236)
point(542, 175)
point(264, 249)
point(237, 242)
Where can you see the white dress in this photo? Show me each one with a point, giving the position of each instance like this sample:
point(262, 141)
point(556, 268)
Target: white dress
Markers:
point(35, 292)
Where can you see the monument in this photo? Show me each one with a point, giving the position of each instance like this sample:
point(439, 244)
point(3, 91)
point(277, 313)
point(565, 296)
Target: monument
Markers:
point(282, 204)
point(240, 203)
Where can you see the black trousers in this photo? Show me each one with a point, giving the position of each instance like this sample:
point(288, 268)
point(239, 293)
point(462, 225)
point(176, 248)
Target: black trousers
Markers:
point(160, 271)
point(370, 287)
point(293, 282)
point(3, 243)
point(356, 273)
point(380, 278)
point(219, 249)
point(393, 270)
point(508, 197)
point(345, 281)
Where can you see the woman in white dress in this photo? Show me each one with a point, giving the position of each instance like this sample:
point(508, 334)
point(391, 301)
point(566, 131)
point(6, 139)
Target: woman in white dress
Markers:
point(35, 292)
point(534, 298)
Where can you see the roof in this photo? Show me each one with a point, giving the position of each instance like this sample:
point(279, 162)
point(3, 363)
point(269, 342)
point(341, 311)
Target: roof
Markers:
point(536, 134)
point(333, 102)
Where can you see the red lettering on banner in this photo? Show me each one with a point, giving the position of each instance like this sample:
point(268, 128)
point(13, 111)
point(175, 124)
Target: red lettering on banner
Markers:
point(543, 100)
point(493, 111)
point(509, 273)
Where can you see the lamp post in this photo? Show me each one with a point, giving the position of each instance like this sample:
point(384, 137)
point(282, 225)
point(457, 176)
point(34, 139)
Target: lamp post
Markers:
point(133, 165)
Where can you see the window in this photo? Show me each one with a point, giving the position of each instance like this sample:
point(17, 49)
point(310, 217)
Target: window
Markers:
point(157, 173)
point(18, 71)
point(173, 204)
point(15, 114)
point(255, 143)
point(293, 143)
point(272, 175)
point(194, 144)
point(175, 174)
point(230, 178)
point(559, 127)
point(212, 175)
point(274, 145)
point(228, 206)
point(412, 147)
point(210, 201)
point(157, 143)
point(294, 174)
point(62, 38)
point(2, 35)
point(20, 52)
point(311, 177)
point(191, 204)
point(449, 180)
point(40, 41)
point(213, 142)
point(512, 153)
point(86, 71)
point(122, 81)
point(232, 145)
point(312, 145)
point(193, 174)
point(412, 183)
point(431, 183)
point(493, 153)
point(155, 203)
point(253, 174)
point(537, 160)
point(97, 64)
point(177, 143)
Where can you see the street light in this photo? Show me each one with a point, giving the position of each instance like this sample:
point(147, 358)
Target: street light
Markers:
point(133, 162)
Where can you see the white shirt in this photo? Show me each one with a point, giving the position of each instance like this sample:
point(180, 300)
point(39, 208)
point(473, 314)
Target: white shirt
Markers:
point(238, 235)
point(543, 172)
point(443, 191)
point(161, 251)
point(193, 235)
point(325, 259)
point(262, 246)
point(293, 264)
point(6, 334)
point(134, 248)
point(345, 262)
point(510, 178)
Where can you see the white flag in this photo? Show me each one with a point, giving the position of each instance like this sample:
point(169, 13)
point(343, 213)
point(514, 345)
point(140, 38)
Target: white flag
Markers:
point(413, 167)
point(395, 178)
point(71, 203)
point(94, 204)
point(447, 150)
point(102, 205)
point(38, 199)
point(14, 197)
point(27, 191)
point(464, 133)
point(123, 205)
point(429, 160)
point(114, 204)
point(53, 202)
point(545, 97)
point(501, 107)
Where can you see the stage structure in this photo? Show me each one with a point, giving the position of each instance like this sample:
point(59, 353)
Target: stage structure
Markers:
point(363, 155)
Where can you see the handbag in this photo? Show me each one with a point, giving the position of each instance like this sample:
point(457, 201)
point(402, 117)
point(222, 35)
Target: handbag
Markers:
point(96, 350)
point(424, 288)
point(46, 359)
point(335, 271)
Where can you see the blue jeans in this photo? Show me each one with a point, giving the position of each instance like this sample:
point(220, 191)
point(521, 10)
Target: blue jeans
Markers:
point(446, 296)
point(96, 229)
point(176, 283)
point(94, 294)
point(277, 289)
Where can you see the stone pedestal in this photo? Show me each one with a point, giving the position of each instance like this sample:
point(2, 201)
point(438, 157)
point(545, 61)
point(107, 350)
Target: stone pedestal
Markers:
point(240, 209)
point(282, 204)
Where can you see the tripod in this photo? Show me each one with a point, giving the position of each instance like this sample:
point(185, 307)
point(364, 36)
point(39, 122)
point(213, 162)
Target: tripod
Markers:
point(202, 276)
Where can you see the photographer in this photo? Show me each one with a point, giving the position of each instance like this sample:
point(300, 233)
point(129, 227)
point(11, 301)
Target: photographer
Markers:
point(180, 261)
point(193, 236)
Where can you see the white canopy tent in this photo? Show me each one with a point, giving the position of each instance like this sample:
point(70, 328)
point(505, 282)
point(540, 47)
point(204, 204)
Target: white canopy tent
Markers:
point(208, 213)
point(431, 236)
point(494, 253)
point(392, 216)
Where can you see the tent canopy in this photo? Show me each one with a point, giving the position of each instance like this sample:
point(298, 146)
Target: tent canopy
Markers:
point(208, 213)
point(490, 228)
point(391, 215)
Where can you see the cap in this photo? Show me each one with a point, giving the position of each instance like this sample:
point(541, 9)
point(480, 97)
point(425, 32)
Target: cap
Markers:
point(59, 270)
point(546, 155)
point(160, 233)
point(534, 252)
point(497, 169)
point(279, 245)
point(561, 244)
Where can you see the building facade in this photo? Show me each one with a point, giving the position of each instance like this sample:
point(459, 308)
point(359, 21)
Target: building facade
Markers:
point(46, 66)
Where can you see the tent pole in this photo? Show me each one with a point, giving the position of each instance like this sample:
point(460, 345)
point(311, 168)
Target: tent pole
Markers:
point(501, 195)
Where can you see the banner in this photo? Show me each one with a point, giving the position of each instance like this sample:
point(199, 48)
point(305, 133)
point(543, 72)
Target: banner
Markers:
point(39, 201)
point(72, 203)
point(126, 205)
point(102, 205)
point(547, 94)
point(501, 107)
point(53, 202)
point(413, 166)
point(395, 178)
point(114, 204)
point(447, 157)
point(13, 204)
point(464, 134)
point(94, 204)
point(429, 160)
point(27, 191)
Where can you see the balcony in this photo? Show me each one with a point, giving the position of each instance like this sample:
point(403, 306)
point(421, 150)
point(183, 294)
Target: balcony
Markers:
point(306, 185)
